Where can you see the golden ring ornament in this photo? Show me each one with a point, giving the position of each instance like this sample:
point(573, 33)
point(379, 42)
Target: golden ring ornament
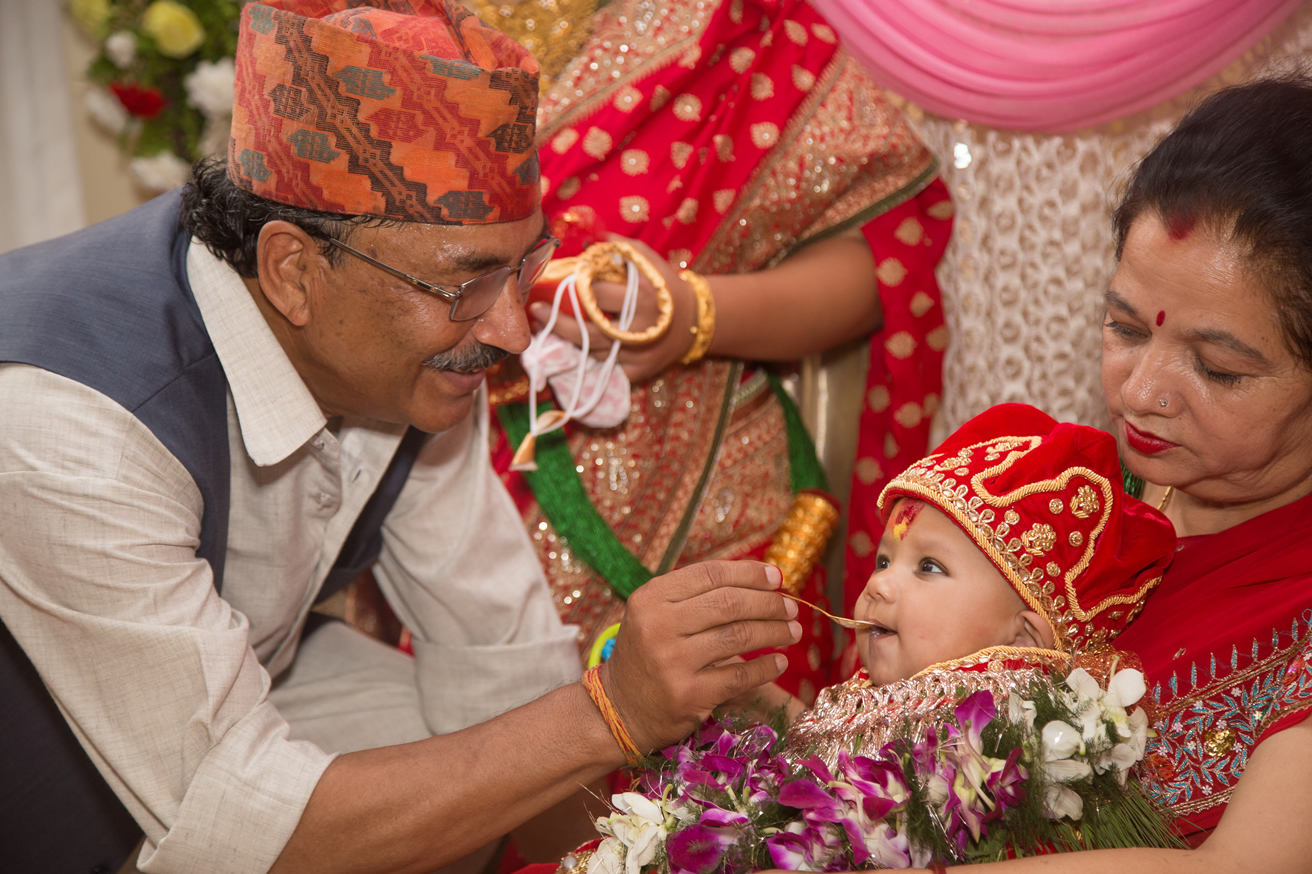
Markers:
point(605, 261)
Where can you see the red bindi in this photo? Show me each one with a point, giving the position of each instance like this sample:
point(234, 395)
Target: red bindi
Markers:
point(1161, 317)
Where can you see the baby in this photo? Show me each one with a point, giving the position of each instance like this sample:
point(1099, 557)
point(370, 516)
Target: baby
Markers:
point(1006, 552)
point(990, 706)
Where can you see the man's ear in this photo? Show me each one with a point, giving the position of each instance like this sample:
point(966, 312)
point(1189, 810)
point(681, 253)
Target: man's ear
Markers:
point(1033, 630)
point(287, 260)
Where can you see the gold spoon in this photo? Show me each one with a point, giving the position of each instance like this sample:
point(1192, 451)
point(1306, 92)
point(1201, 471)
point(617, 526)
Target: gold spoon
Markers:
point(854, 624)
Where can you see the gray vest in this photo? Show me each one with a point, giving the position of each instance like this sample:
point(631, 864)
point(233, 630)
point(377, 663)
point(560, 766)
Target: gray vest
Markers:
point(110, 307)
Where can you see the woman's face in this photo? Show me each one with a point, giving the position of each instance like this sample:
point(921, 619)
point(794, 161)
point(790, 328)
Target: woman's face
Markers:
point(1202, 391)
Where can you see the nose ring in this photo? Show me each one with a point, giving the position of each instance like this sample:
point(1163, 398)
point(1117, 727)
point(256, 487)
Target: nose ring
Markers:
point(1162, 402)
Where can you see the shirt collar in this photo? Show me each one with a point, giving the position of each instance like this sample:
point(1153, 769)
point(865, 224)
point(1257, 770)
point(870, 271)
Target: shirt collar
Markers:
point(275, 410)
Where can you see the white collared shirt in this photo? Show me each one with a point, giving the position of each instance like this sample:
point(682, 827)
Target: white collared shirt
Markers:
point(165, 682)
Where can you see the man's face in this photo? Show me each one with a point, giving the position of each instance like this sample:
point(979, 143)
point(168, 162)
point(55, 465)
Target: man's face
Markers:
point(381, 347)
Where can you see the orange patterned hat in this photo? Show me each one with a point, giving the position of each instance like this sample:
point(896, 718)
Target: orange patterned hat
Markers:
point(410, 110)
point(1045, 502)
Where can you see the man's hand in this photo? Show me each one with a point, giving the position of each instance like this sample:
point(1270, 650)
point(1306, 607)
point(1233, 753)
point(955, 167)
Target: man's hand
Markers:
point(669, 668)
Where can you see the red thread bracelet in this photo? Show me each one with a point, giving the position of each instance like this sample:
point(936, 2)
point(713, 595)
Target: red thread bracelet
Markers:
point(592, 683)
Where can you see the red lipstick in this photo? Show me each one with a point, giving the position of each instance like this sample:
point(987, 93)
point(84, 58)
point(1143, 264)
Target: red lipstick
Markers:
point(1144, 442)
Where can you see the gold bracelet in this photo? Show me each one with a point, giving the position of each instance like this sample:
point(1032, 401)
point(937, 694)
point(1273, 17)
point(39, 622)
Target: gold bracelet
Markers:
point(600, 261)
point(704, 330)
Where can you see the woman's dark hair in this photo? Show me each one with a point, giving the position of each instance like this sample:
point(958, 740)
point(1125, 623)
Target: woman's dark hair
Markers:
point(228, 219)
point(1240, 165)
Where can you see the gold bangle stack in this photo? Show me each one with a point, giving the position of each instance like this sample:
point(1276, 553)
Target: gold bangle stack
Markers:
point(704, 330)
point(801, 539)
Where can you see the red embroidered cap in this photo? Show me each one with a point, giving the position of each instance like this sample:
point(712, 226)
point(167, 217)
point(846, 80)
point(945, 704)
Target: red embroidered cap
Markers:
point(409, 109)
point(1045, 502)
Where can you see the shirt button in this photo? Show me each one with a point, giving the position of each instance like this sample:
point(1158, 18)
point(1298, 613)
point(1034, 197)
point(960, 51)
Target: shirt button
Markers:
point(317, 443)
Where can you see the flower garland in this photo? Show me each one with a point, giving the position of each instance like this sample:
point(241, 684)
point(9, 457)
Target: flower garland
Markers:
point(162, 81)
point(978, 786)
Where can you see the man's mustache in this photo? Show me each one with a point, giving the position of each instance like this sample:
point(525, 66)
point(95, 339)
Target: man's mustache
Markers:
point(471, 359)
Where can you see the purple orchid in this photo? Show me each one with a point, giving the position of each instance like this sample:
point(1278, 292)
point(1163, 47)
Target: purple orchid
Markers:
point(696, 850)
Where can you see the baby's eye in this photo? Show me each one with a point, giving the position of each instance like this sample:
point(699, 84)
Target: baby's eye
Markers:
point(931, 566)
point(881, 562)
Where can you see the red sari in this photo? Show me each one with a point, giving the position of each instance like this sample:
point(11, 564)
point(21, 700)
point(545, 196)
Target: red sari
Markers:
point(1227, 642)
point(725, 136)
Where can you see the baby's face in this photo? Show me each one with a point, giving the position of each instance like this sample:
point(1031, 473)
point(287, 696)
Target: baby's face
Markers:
point(933, 594)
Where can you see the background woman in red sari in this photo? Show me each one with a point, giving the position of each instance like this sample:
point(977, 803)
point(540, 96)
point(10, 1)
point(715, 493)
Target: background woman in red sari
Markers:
point(738, 140)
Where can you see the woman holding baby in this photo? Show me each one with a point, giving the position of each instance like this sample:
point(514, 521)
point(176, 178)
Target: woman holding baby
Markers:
point(1207, 370)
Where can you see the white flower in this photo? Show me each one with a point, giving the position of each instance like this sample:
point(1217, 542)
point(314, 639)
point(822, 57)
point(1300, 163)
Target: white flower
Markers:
point(607, 858)
point(638, 830)
point(209, 87)
point(1085, 687)
point(1018, 707)
point(1060, 740)
point(1138, 725)
point(121, 48)
point(638, 805)
point(106, 111)
point(1125, 689)
point(161, 172)
point(1058, 801)
point(1067, 770)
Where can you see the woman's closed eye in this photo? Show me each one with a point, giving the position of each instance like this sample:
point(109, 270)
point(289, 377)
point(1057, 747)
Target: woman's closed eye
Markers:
point(1123, 330)
point(1221, 377)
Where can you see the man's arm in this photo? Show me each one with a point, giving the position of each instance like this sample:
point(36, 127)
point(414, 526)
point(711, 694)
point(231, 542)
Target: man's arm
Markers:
point(415, 807)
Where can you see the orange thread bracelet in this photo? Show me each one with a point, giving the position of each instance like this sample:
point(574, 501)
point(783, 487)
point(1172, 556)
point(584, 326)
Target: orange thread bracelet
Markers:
point(592, 683)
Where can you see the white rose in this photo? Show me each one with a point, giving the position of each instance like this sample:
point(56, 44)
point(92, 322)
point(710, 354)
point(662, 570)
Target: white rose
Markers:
point(161, 172)
point(122, 48)
point(106, 111)
point(209, 87)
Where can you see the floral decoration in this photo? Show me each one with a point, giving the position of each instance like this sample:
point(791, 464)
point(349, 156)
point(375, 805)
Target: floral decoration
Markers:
point(1053, 771)
point(162, 81)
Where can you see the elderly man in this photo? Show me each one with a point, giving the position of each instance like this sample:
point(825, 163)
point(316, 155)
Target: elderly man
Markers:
point(222, 405)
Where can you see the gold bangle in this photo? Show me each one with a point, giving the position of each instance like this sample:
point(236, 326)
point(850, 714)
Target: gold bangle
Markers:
point(704, 330)
point(799, 543)
point(598, 262)
point(592, 683)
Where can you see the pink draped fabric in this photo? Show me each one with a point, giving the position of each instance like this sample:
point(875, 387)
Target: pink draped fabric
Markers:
point(1051, 65)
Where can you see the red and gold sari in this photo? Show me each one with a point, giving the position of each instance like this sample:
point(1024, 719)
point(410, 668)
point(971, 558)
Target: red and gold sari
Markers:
point(1227, 640)
point(724, 136)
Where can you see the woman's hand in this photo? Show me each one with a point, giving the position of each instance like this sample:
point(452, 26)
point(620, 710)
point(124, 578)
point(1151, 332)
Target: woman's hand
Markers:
point(640, 361)
point(823, 295)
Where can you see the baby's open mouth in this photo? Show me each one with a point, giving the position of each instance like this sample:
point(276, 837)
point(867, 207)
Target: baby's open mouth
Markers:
point(876, 630)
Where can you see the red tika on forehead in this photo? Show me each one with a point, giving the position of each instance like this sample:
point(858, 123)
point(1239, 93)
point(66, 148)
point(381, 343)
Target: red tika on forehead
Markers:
point(1179, 227)
point(907, 511)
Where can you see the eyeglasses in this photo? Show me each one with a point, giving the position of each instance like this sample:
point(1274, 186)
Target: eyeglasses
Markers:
point(473, 297)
